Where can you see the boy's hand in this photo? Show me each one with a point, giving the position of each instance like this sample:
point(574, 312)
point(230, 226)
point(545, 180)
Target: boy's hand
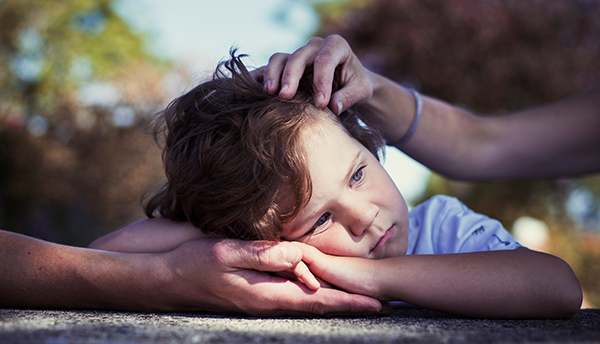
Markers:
point(355, 275)
point(265, 256)
point(291, 276)
point(330, 58)
point(228, 276)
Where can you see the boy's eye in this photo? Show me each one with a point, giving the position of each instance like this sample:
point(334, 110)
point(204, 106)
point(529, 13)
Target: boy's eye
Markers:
point(357, 176)
point(320, 222)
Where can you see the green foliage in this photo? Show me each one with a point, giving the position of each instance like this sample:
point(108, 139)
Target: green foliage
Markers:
point(42, 44)
point(335, 11)
point(69, 171)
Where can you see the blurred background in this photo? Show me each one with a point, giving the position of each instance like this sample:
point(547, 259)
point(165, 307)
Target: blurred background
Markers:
point(78, 79)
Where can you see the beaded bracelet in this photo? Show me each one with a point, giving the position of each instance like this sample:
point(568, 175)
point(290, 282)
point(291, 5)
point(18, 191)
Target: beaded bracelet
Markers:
point(416, 120)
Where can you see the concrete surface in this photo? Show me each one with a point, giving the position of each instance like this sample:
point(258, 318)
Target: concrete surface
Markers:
point(405, 325)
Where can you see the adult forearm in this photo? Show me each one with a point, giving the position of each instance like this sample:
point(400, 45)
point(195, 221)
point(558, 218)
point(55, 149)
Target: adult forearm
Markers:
point(449, 140)
point(549, 141)
point(557, 139)
point(39, 274)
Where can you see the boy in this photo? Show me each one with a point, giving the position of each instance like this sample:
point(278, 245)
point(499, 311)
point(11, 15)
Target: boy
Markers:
point(242, 163)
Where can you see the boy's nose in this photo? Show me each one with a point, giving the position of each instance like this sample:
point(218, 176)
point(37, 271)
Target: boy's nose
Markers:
point(362, 218)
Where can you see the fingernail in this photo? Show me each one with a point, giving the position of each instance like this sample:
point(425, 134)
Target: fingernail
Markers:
point(267, 84)
point(284, 88)
point(339, 107)
point(320, 99)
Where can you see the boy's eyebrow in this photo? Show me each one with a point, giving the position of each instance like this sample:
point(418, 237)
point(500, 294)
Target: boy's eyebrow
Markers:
point(303, 222)
point(351, 170)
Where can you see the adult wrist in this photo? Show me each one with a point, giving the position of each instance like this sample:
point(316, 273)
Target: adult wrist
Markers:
point(157, 283)
point(394, 108)
point(135, 282)
point(415, 122)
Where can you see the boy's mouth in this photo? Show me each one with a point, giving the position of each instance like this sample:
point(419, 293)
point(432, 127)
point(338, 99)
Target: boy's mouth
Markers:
point(384, 239)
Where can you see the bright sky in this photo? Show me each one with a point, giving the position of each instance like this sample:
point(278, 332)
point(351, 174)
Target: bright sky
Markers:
point(199, 33)
point(202, 31)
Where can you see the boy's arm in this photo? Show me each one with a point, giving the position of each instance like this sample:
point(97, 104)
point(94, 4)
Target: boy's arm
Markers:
point(148, 235)
point(199, 275)
point(499, 284)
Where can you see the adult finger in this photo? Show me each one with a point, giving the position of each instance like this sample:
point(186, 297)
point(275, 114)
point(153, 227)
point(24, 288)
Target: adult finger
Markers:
point(358, 89)
point(257, 255)
point(296, 64)
point(335, 52)
point(287, 297)
point(273, 70)
point(305, 276)
point(327, 301)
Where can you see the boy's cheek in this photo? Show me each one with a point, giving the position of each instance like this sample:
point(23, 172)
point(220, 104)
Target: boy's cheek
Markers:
point(399, 244)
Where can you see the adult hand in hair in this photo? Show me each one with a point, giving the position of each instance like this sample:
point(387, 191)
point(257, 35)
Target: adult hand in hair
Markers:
point(332, 61)
point(199, 275)
point(561, 137)
point(330, 58)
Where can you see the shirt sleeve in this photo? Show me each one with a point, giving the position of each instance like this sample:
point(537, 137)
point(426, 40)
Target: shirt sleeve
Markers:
point(445, 225)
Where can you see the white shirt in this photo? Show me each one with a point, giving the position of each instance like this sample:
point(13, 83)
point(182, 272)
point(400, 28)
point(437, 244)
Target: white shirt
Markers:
point(443, 224)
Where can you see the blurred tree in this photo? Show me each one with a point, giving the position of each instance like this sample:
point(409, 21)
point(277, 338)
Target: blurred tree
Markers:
point(76, 87)
point(491, 57)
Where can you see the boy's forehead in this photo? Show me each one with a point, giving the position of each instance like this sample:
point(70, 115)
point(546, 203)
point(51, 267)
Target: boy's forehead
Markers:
point(324, 121)
point(331, 153)
point(321, 115)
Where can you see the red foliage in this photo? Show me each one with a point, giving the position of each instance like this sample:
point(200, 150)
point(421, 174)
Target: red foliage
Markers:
point(490, 55)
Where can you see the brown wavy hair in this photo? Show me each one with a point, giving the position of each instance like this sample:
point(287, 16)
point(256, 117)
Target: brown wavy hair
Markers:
point(233, 154)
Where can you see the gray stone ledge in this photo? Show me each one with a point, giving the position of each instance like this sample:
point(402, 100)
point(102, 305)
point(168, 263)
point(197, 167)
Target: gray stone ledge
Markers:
point(405, 325)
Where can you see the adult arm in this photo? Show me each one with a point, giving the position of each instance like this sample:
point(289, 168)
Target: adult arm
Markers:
point(498, 284)
point(557, 139)
point(163, 235)
point(199, 275)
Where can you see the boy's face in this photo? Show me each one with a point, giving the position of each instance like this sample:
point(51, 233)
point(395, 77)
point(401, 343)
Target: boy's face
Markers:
point(355, 208)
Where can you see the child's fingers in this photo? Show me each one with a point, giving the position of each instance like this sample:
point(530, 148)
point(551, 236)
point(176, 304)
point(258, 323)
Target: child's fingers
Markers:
point(305, 276)
point(291, 275)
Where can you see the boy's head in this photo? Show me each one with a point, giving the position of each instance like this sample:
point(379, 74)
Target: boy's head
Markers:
point(234, 154)
point(355, 208)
